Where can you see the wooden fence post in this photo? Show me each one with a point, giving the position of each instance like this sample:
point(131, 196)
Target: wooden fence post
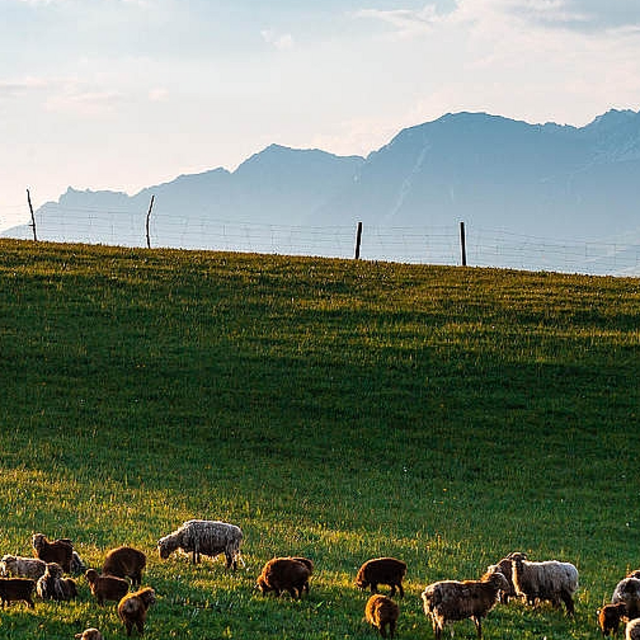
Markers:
point(147, 221)
point(463, 245)
point(33, 218)
point(358, 240)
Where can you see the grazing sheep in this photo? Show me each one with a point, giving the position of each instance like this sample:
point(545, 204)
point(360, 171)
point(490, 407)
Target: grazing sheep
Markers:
point(77, 566)
point(125, 562)
point(628, 591)
point(89, 634)
point(382, 613)
point(15, 589)
point(610, 616)
point(504, 567)
point(632, 630)
point(450, 600)
point(21, 567)
point(387, 571)
point(58, 551)
point(53, 586)
point(284, 574)
point(132, 609)
point(207, 537)
point(106, 587)
point(550, 580)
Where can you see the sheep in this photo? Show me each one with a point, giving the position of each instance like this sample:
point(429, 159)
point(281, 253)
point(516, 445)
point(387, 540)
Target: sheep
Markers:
point(450, 600)
point(58, 551)
point(610, 616)
point(504, 567)
point(632, 630)
point(77, 566)
point(22, 567)
point(550, 580)
point(207, 537)
point(305, 561)
point(105, 587)
point(382, 612)
point(284, 574)
point(53, 586)
point(132, 609)
point(14, 589)
point(125, 562)
point(389, 571)
point(628, 591)
point(89, 634)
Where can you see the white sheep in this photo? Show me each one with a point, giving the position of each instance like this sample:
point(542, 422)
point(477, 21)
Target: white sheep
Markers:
point(22, 567)
point(206, 537)
point(628, 591)
point(450, 600)
point(551, 581)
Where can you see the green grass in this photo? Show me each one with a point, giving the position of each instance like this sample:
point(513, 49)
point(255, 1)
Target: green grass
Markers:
point(331, 408)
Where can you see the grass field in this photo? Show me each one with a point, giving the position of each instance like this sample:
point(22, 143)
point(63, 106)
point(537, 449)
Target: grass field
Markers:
point(336, 409)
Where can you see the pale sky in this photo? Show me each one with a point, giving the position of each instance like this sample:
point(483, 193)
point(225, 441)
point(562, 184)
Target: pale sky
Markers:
point(125, 94)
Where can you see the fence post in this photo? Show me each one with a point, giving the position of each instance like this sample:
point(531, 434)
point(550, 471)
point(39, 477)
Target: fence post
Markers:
point(358, 240)
point(147, 221)
point(463, 245)
point(33, 218)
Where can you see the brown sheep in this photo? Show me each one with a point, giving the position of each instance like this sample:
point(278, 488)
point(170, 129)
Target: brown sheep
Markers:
point(58, 551)
point(450, 600)
point(89, 634)
point(504, 566)
point(610, 616)
point(382, 612)
point(106, 587)
point(125, 562)
point(53, 586)
point(15, 589)
point(377, 571)
point(284, 574)
point(132, 609)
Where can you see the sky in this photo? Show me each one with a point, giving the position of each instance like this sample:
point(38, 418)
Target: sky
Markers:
point(126, 94)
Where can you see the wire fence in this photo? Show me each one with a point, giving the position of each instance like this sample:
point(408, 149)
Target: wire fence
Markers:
point(421, 245)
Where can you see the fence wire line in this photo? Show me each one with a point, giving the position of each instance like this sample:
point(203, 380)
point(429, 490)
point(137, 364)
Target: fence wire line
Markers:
point(423, 244)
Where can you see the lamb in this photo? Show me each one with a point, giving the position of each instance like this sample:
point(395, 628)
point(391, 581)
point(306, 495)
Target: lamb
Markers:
point(284, 574)
point(15, 589)
point(53, 586)
point(628, 591)
point(132, 609)
point(632, 630)
point(207, 537)
point(58, 551)
point(610, 616)
point(382, 612)
point(125, 562)
point(389, 571)
point(504, 567)
point(22, 567)
point(550, 580)
point(89, 634)
point(450, 600)
point(104, 587)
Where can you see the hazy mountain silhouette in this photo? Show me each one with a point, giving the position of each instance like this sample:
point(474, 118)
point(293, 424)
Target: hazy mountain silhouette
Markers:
point(492, 172)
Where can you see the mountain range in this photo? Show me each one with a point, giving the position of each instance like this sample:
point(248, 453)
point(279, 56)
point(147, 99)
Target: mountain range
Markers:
point(551, 181)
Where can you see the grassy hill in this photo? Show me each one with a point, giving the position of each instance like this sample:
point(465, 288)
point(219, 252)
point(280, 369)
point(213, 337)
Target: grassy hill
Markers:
point(336, 409)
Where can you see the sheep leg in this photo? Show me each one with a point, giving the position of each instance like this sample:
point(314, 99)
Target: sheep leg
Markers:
point(401, 589)
point(392, 628)
point(568, 602)
point(393, 589)
point(478, 623)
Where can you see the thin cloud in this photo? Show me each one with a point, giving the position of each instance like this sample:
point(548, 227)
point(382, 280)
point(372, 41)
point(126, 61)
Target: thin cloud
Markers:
point(405, 22)
point(281, 42)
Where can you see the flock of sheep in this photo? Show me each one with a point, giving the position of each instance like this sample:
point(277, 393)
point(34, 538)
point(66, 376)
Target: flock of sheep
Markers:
point(444, 602)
